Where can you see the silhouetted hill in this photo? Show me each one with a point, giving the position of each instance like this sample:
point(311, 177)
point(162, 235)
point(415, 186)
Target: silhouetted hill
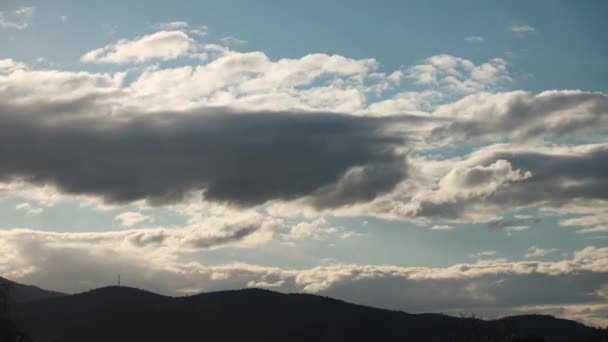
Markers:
point(23, 293)
point(126, 314)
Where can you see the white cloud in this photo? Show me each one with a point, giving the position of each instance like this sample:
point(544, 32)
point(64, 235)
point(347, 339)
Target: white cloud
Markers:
point(8, 66)
point(442, 227)
point(63, 18)
point(406, 102)
point(318, 229)
point(25, 11)
point(29, 209)
point(459, 75)
point(174, 25)
point(252, 81)
point(522, 29)
point(589, 216)
point(162, 45)
point(232, 41)
point(133, 218)
point(19, 19)
point(474, 39)
point(200, 31)
point(483, 254)
point(516, 228)
point(535, 252)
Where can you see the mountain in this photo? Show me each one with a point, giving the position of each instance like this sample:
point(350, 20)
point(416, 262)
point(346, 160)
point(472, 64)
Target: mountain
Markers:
point(23, 293)
point(128, 314)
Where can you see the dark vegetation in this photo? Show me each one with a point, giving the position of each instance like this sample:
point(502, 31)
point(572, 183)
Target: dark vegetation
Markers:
point(128, 314)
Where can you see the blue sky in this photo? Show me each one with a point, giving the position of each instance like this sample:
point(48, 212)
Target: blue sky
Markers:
point(333, 147)
point(396, 33)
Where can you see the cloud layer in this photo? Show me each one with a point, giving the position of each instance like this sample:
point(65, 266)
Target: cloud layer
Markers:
point(253, 151)
point(79, 261)
point(241, 158)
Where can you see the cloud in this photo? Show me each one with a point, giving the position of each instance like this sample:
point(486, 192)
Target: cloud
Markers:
point(522, 29)
point(406, 102)
point(483, 254)
point(587, 217)
point(162, 45)
point(251, 80)
point(25, 11)
point(174, 25)
point(521, 115)
point(236, 157)
point(535, 252)
point(474, 39)
point(231, 41)
point(200, 31)
point(229, 234)
point(132, 218)
point(19, 19)
point(318, 229)
point(29, 209)
point(459, 75)
point(442, 227)
point(498, 179)
point(8, 66)
point(79, 261)
point(461, 185)
point(516, 223)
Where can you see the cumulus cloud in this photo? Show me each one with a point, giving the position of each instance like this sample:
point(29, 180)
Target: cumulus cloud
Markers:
point(162, 45)
point(8, 66)
point(460, 75)
point(494, 180)
point(463, 184)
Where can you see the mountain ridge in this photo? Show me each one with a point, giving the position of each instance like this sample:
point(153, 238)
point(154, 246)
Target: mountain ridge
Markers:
point(130, 314)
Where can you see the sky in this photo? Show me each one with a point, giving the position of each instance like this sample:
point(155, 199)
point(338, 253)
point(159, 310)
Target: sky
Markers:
point(425, 156)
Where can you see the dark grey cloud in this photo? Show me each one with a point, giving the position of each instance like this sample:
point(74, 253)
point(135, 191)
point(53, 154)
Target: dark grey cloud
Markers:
point(513, 222)
point(148, 238)
point(239, 158)
point(229, 234)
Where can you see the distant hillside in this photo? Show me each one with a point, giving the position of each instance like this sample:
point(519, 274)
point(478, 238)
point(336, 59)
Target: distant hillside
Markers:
point(127, 314)
point(24, 293)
